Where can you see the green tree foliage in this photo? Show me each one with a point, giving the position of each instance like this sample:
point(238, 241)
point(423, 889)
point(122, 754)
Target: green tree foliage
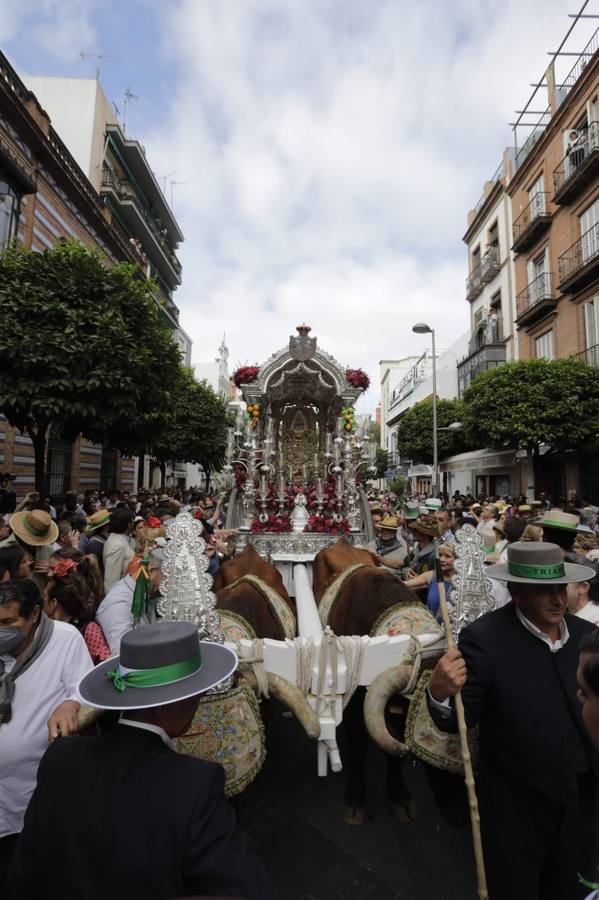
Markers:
point(381, 462)
point(535, 401)
point(415, 431)
point(196, 430)
point(398, 486)
point(81, 344)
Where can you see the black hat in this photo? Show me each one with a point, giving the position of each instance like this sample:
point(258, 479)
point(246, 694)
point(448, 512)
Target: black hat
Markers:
point(158, 664)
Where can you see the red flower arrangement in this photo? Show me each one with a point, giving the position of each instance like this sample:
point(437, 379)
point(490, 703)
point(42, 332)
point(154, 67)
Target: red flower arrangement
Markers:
point(327, 525)
point(274, 524)
point(245, 374)
point(357, 378)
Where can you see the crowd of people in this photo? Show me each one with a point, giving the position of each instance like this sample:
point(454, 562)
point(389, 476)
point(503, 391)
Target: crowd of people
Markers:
point(68, 577)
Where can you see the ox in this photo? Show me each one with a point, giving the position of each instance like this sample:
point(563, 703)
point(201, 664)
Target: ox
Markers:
point(353, 593)
point(253, 603)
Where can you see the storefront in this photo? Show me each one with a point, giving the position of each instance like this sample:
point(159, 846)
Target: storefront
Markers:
point(421, 479)
point(495, 473)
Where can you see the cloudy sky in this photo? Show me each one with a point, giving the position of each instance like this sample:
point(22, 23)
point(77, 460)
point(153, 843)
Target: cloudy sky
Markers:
point(327, 151)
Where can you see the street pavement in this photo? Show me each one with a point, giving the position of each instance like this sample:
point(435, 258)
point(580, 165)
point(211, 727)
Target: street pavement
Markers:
point(293, 818)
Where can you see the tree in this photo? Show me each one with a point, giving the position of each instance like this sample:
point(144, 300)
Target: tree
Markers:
point(82, 344)
point(532, 402)
point(374, 432)
point(398, 487)
point(415, 431)
point(381, 462)
point(196, 429)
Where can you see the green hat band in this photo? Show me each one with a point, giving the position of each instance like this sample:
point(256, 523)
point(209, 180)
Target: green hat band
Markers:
point(36, 532)
point(554, 524)
point(144, 678)
point(537, 573)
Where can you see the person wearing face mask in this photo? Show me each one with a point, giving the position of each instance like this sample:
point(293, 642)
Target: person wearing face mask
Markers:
point(41, 663)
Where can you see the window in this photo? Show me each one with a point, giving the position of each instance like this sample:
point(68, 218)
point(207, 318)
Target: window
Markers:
point(589, 230)
point(478, 315)
point(538, 278)
point(591, 322)
point(493, 236)
point(536, 196)
point(544, 346)
point(495, 302)
point(476, 261)
point(9, 210)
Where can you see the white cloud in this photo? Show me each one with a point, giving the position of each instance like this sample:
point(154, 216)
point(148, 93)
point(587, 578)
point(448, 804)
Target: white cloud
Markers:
point(58, 29)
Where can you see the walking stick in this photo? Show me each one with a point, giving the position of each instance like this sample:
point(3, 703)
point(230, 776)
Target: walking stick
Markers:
point(466, 758)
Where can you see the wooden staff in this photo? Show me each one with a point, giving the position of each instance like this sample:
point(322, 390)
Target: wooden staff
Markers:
point(481, 875)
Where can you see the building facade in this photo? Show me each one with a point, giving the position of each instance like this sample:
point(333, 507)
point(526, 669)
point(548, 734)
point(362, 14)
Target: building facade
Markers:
point(490, 282)
point(46, 197)
point(555, 239)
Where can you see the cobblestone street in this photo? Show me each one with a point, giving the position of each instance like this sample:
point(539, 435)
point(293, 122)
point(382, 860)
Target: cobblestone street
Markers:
point(294, 819)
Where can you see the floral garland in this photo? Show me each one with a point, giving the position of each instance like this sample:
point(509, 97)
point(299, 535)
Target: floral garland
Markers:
point(274, 523)
point(320, 524)
point(357, 378)
point(348, 415)
point(245, 374)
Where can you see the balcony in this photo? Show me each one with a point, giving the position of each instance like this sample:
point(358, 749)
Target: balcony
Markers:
point(580, 263)
point(590, 356)
point(531, 223)
point(486, 350)
point(134, 215)
point(474, 284)
point(535, 301)
point(578, 168)
point(490, 265)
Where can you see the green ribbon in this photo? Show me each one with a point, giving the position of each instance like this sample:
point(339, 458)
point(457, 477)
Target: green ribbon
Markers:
point(36, 532)
point(537, 573)
point(553, 524)
point(143, 678)
point(589, 884)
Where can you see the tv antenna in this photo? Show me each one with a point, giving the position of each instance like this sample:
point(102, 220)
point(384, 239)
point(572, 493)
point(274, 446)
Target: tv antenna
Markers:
point(85, 55)
point(129, 96)
point(173, 183)
point(163, 178)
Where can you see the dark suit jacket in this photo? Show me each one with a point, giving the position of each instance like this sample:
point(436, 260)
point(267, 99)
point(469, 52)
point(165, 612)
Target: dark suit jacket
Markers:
point(523, 697)
point(122, 816)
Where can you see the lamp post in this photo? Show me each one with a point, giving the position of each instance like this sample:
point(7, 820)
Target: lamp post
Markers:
point(423, 328)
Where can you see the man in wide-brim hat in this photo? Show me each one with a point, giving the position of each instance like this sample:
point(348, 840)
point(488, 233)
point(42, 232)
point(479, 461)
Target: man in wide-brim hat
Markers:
point(425, 531)
point(155, 822)
point(391, 548)
point(37, 533)
point(537, 772)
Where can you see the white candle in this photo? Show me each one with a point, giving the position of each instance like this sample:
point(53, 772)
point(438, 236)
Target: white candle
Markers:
point(282, 486)
point(339, 484)
point(319, 488)
point(328, 442)
point(304, 473)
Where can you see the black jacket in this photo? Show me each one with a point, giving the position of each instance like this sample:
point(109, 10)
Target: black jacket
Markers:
point(122, 816)
point(523, 698)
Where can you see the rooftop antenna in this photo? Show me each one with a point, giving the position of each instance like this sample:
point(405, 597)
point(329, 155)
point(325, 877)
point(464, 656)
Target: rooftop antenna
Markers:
point(163, 178)
point(129, 95)
point(173, 183)
point(85, 55)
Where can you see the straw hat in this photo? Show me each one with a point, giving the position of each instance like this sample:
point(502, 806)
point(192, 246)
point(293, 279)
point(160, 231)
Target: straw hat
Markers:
point(157, 665)
point(389, 522)
point(425, 525)
point(34, 527)
point(98, 520)
point(525, 508)
point(537, 562)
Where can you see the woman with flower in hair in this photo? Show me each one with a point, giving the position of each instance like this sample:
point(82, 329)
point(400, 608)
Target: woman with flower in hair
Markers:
point(67, 599)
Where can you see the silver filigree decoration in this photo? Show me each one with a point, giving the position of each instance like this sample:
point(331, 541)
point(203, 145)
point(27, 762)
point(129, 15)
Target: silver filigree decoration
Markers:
point(186, 587)
point(472, 589)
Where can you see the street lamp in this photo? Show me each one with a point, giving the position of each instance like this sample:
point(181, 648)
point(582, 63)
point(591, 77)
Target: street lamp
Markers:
point(423, 328)
point(454, 426)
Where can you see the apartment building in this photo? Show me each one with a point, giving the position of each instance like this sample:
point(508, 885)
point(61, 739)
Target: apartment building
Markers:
point(554, 194)
point(490, 282)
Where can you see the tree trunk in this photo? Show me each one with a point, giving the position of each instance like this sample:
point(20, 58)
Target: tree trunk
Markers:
point(162, 475)
point(530, 475)
point(38, 439)
point(207, 474)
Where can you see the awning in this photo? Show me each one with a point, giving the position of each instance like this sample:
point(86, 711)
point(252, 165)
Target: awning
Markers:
point(479, 459)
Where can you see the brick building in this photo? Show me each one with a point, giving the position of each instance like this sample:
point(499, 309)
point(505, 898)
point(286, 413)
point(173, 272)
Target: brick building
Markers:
point(555, 240)
point(45, 196)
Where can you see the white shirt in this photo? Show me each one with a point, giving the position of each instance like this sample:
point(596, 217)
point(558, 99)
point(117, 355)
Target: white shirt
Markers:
point(589, 612)
point(114, 614)
point(117, 554)
point(48, 682)
point(147, 726)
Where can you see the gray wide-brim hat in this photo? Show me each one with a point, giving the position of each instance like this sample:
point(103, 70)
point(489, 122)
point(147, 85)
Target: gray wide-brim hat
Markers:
point(158, 664)
point(536, 562)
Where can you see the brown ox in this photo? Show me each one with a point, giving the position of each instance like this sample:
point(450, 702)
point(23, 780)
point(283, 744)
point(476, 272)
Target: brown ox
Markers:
point(360, 600)
point(244, 586)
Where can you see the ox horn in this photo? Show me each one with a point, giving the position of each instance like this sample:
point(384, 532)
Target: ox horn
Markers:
point(87, 715)
point(291, 697)
point(391, 681)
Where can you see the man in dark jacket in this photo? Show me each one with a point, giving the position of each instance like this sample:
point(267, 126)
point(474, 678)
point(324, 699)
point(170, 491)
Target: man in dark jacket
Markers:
point(537, 772)
point(124, 815)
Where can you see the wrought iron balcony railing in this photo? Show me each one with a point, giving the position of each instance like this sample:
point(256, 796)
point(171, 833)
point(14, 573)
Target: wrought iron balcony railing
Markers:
point(580, 262)
point(474, 284)
point(535, 296)
point(490, 265)
point(590, 356)
point(578, 167)
point(533, 219)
